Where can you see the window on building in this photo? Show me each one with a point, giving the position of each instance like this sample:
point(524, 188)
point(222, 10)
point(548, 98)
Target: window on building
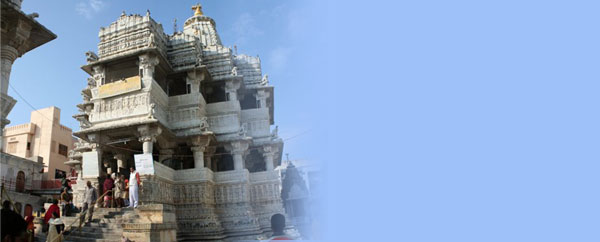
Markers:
point(62, 149)
point(12, 147)
point(249, 101)
point(177, 86)
point(53, 146)
point(28, 145)
point(214, 94)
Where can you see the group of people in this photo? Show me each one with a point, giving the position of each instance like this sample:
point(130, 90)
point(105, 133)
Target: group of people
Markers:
point(115, 187)
point(119, 191)
point(16, 228)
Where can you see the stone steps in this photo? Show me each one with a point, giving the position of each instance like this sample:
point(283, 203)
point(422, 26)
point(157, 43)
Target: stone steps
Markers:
point(105, 226)
point(114, 235)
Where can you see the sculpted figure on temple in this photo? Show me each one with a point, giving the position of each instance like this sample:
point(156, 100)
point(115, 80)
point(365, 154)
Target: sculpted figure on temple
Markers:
point(151, 110)
point(151, 40)
point(91, 56)
point(265, 79)
point(274, 133)
point(234, 71)
point(243, 130)
point(91, 82)
point(204, 124)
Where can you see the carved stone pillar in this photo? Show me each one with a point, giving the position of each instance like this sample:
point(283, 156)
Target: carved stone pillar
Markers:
point(198, 145)
point(98, 73)
point(238, 148)
point(198, 156)
point(231, 88)
point(261, 96)
point(148, 137)
point(146, 64)
point(8, 56)
point(208, 161)
point(268, 154)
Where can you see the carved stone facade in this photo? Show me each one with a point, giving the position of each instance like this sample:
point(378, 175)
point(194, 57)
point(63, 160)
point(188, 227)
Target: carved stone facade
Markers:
point(203, 113)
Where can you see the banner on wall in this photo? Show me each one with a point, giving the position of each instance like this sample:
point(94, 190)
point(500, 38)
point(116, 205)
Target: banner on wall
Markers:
point(90, 166)
point(144, 164)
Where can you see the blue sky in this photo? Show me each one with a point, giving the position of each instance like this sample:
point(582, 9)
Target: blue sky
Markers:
point(437, 120)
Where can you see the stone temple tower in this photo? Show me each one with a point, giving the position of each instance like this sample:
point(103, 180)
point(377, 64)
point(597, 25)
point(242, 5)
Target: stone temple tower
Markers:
point(203, 114)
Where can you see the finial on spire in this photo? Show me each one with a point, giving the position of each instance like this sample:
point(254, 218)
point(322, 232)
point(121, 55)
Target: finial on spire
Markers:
point(197, 10)
point(174, 25)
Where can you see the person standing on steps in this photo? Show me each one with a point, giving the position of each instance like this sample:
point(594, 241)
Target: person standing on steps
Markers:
point(119, 190)
point(109, 184)
point(65, 202)
point(134, 183)
point(89, 201)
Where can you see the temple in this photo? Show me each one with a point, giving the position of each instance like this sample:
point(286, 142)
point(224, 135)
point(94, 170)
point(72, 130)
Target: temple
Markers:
point(202, 112)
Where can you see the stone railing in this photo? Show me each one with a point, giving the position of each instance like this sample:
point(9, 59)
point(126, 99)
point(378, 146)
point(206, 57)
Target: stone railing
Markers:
point(194, 175)
point(123, 106)
point(263, 176)
point(256, 121)
point(182, 176)
point(164, 171)
point(186, 111)
point(231, 176)
point(223, 107)
point(223, 117)
point(136, 104)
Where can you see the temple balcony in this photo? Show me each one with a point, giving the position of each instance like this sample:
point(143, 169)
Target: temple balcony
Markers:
point(224, 117)
point(186, 112)
point(256, 122)
point(126, 101)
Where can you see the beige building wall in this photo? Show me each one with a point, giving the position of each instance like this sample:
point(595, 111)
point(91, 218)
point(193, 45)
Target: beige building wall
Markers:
point(43, 136)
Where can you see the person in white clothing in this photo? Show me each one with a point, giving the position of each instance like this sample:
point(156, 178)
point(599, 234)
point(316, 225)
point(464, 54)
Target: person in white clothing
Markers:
point(134, 183)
